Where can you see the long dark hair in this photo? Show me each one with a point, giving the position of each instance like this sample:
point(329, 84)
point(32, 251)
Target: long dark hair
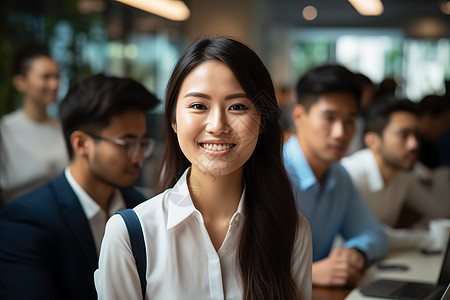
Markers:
point(267, 240)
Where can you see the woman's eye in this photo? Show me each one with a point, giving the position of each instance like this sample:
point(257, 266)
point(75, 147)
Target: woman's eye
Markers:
point(238, 107)
point(197, 106)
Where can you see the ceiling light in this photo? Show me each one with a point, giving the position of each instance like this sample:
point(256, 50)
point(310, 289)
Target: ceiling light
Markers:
point(368, 7)
point(309, 13)
point(174, 10)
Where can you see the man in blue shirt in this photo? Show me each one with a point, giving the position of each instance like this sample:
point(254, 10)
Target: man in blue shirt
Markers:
point(324, 117)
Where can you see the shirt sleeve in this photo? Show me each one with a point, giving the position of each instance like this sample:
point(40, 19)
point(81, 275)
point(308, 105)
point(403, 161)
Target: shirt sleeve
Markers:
point(408, 238)
point(117, 276)
point(302, 259)
point(362, 230)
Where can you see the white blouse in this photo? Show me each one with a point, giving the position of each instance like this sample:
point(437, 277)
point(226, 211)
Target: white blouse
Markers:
point(34, 153)
point(181, 260)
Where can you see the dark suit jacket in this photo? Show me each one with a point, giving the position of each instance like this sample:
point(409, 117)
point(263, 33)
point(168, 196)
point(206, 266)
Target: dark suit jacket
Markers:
point(47, 250)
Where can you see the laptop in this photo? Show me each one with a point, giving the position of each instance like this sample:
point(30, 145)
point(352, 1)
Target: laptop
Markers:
point(446, 295)
point(411, 290)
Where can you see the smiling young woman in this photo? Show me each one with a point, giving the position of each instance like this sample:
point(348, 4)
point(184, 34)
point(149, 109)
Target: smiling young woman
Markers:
point(217, 125)
point(225, 224)
point(31, 139)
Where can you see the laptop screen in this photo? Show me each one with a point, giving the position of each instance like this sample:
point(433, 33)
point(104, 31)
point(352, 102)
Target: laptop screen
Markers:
point(446, 295)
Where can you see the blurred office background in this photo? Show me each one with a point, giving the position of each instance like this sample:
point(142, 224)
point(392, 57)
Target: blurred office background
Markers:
point(409, 40)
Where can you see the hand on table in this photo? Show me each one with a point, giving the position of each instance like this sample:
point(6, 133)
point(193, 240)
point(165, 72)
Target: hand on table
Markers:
point(343, 267)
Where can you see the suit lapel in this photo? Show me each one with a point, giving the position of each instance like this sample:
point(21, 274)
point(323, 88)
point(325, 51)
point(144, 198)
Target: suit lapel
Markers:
point(73, 214)
point(76, 220)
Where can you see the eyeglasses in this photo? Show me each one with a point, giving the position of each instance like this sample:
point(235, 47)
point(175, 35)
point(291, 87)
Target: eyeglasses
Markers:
point(133, 149)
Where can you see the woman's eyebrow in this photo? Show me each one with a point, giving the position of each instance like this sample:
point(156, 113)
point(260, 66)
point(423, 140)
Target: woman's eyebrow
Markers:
point(198, 95)
point(237, 95)
point(205, 96)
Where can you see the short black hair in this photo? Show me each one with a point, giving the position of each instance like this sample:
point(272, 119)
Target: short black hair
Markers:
point(25, 56)
point(363, 80)
point(326, 79)
point(386, 88)
point(380, 112)
point(90, 104)
point(434, 105)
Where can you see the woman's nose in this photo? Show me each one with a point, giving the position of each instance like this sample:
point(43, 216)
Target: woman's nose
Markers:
point(217, 122)
point(54, 83)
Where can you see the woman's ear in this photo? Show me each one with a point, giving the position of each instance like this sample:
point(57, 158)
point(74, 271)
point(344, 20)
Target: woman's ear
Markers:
point(174, 127)
point(19, 82)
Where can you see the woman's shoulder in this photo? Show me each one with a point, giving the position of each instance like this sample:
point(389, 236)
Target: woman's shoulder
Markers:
point(10, 119)
point(150, 214)
point(153, 206)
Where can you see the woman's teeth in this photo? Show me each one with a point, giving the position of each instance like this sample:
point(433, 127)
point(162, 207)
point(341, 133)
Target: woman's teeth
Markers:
point(217, 147)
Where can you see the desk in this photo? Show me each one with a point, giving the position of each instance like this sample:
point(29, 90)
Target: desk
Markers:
point(422, 267)
point(319, 293)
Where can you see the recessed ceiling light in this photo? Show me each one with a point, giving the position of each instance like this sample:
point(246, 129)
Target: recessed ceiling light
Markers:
point(309, 13)
point(175, 10)
point(368, 7)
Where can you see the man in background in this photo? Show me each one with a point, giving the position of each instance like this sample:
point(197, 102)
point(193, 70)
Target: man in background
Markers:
point(434, 120)
point(382, 172)
point(50, 238)
point(367, 92)
point(324, 117)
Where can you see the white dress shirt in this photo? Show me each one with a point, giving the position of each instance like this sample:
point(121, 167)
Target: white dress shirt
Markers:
point(96, 216)
point(182, 262)
point(386, 201)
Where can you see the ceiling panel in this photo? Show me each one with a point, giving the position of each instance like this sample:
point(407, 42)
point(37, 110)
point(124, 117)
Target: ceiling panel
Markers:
point(403, 14)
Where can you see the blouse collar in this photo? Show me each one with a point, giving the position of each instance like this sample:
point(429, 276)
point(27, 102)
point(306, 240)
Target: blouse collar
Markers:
point(180, 205)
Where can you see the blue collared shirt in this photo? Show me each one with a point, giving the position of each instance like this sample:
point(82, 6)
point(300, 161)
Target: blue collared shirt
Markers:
point(336, 207)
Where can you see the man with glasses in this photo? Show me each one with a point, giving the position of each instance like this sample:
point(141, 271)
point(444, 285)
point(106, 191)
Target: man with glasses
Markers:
point(50, 238)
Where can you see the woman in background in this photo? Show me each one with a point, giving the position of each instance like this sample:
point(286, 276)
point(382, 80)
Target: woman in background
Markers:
point(32, 142)
point(225, 225)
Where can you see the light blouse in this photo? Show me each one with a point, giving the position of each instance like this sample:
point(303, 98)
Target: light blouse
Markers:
point(182, 262)
point(31, 153)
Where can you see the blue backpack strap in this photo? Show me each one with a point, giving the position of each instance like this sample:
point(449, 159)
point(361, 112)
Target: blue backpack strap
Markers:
point(137, 244)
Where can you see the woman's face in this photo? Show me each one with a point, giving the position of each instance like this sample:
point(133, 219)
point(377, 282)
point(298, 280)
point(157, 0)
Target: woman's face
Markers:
point(41, 82)
point(217, 125)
